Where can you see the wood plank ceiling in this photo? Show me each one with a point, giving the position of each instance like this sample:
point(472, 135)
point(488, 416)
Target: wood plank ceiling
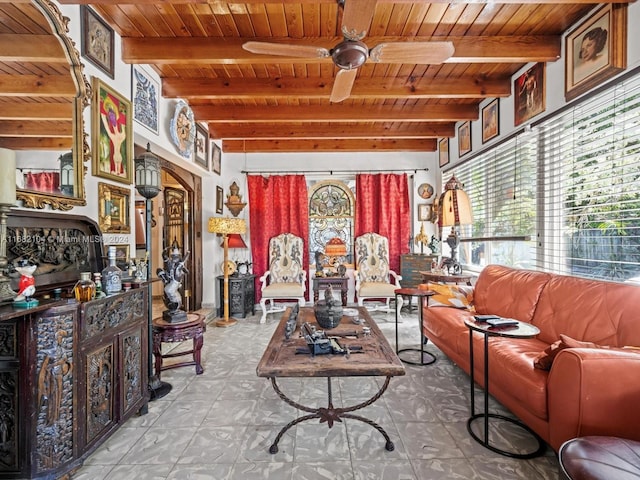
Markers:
point(267, 103)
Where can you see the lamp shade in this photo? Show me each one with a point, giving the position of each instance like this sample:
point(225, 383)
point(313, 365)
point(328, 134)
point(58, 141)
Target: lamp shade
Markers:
point(455, 208)
point(235, 241)
point(148, 174)
point(226, 225)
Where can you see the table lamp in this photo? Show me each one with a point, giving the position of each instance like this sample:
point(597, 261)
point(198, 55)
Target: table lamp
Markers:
point(227, 227)
point(455, 210)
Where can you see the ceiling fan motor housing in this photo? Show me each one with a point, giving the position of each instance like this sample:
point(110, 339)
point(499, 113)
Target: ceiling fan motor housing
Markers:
point(350, 54)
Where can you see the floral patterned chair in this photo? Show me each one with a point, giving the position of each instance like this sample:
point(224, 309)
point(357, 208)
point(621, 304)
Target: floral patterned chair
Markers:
point(373, 274)
point(286, 278)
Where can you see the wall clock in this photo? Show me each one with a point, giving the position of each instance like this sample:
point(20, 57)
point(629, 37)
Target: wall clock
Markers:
point(183, 129)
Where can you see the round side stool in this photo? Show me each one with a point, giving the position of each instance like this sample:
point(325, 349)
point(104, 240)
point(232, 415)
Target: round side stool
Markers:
point(193, 328)
point(600, 458)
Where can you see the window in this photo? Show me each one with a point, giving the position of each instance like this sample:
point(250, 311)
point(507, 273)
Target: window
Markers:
point(564, 197)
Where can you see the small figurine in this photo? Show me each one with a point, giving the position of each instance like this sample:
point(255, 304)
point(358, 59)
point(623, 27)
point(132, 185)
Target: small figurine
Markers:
point(26, 286)
point(434, 245)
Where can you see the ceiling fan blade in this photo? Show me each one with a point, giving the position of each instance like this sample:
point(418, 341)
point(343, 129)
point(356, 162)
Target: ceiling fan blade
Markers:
point(342, 85)
point(356, 18)
point(412, 52)
point(286, 50)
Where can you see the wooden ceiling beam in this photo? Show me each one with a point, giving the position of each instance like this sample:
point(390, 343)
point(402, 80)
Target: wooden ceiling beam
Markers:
point(329, 145)
point(36, 143)
point(35, 111)
point(31, 48)
point(334, 113)
point(225, 3)
point(219, 50)
point(364, 88)
point(37, 86)
point(10, 128)
point(332, 130)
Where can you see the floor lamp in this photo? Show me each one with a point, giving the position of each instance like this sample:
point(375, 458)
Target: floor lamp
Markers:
point(148, 185)
point(455, 210)
point(226, 226)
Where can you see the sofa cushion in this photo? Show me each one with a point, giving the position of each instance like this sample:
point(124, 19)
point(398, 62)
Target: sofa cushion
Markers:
point(509, 293)
point(458, 296)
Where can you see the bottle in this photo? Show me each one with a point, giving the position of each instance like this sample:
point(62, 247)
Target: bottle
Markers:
point(97, 279)
point(85, 288)
point(112, 275)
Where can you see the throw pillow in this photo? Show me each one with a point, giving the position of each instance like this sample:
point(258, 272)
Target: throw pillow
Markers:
point(457, 296)
point(545, 359)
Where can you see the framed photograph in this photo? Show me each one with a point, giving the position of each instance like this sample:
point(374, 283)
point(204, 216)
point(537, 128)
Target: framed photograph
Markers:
point(529, 93)
point(216, 158)
point(122, 256)
point(111, 134)
point(96, 40)
point(200, 148)
point(113, 208)
point(145, 92)
point(443, 151)
point(219, 199)
point(424, 212)
point(464, 138)
point(596, 50)
point(490, 120)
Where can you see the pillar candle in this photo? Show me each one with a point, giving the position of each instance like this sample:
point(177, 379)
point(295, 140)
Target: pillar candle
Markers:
point(7, 177)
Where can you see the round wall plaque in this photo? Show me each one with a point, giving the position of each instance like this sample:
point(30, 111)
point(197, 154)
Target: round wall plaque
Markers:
point(183, 129)
point(425, 191)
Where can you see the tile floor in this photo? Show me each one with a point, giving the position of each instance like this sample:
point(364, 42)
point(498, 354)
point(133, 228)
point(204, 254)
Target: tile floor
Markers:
point(219, 425)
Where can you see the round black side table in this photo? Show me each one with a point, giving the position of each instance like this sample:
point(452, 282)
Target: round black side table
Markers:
point(420, 294)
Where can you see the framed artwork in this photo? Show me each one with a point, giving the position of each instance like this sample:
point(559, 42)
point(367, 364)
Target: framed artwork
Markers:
point(216, 158)
point(122, 256)
point(443, 151)
point(529, 93)
point(464, 138)
point(200, 147)
point(113, 208)
point(425, 190)
point(424, 212)
point(490, 120)
point(596, 50)
point(145, 92)
point(96, 40)
point(183, 129)
point(111, 134)
point(219, 199)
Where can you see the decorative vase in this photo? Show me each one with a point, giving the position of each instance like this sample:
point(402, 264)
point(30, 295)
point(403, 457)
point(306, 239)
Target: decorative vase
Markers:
point(328, 312)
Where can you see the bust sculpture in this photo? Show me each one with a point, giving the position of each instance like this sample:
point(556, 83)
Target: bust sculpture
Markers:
point(171, 276)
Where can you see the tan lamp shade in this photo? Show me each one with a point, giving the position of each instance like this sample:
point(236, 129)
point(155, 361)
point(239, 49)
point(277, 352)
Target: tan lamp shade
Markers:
point(455, 208)
point(226, 225)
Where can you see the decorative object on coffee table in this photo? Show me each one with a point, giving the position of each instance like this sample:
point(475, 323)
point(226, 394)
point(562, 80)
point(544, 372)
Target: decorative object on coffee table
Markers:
point(328, 312)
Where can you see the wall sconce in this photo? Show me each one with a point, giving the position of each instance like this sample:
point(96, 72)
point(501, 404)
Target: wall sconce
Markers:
point(234, 201)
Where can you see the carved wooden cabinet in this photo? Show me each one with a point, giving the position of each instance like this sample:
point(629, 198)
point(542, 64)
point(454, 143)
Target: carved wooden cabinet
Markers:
point(410, 266)
point(70, 374)
point(241, 295)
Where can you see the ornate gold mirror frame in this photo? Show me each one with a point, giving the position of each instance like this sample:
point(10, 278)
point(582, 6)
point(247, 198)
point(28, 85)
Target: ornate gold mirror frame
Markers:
point(80, 145)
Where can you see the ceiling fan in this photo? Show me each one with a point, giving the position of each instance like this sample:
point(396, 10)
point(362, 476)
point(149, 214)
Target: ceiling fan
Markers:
point(351, 53)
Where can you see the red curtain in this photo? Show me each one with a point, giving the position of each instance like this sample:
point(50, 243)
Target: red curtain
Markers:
point(43, 182)
point(382, 206)
point(277, 204)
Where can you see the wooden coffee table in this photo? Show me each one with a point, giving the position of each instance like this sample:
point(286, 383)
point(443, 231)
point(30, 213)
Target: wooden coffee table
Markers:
point(281, 359)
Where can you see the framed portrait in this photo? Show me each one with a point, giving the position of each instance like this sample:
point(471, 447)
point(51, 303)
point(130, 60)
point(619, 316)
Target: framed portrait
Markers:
point(122, 256)
point(216, 158)
point(96, 40)
point(145, 92)
point(424, 212)
point(200, 147)
point(183, 129)
point(490, 120)
point(443, 151)
point(219, 199)
point(113, 208)
point(111, 134)
point(596, 50)
point(529, 94)
point(464, 138)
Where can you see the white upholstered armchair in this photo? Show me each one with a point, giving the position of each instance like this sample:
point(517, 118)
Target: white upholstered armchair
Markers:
point(286, 278)
point(373, 276)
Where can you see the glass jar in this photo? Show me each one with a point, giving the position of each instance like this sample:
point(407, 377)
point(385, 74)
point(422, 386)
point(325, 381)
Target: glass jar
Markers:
point(85, 288)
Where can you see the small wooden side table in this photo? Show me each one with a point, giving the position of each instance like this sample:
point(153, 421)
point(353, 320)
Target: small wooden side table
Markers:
point(445, 278)
point(320, 283)
point(193, 328)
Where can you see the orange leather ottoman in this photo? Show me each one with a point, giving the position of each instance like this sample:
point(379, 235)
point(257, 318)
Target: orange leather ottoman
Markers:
point(600, 458)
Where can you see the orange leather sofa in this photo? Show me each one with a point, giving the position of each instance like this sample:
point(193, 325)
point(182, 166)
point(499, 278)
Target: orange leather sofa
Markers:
point(587, 391)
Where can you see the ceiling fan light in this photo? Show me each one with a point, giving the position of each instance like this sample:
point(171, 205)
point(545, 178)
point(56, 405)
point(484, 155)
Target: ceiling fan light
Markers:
point(350, 54)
